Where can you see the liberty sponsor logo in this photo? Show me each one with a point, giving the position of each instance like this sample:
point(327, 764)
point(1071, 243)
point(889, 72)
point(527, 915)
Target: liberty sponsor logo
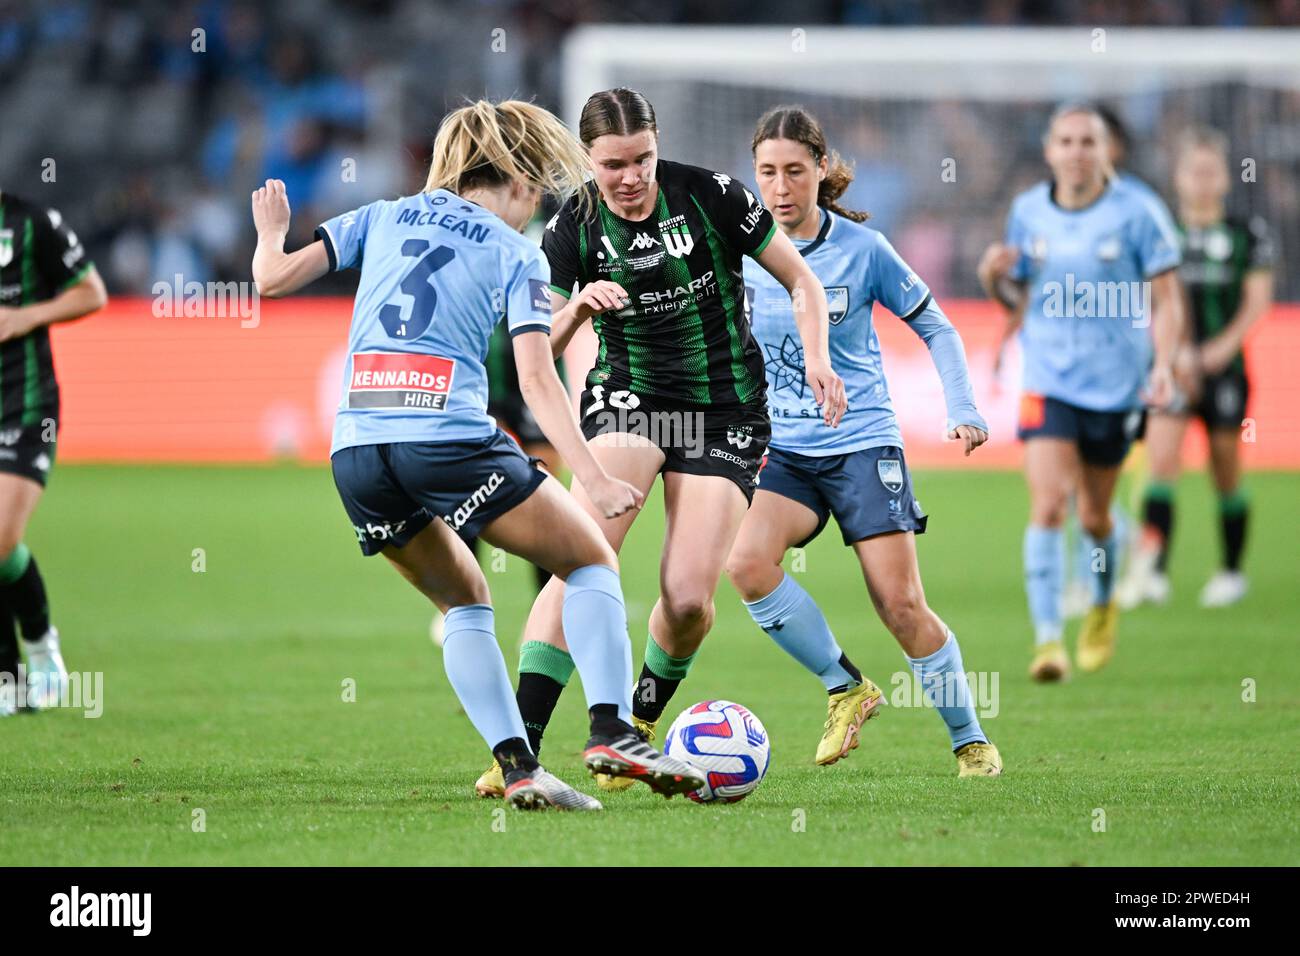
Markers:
point(399, 380)
point(752, 217)
point(909, 282)
point(471, 504)
point(132, 910)
point(890, 471)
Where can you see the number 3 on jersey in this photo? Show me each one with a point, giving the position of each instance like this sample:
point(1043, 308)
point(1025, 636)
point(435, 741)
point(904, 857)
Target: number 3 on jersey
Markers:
point(416, 284)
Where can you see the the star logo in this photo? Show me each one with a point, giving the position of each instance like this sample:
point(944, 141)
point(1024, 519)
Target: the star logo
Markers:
point(785, 366)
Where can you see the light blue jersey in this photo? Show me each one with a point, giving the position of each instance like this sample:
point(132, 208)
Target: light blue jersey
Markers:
point(437, 274)
point(1086, 338)
point(858, 267)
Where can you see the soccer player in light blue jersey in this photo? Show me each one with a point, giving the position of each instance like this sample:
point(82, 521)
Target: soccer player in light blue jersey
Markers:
point(1087, 271)
point(419, 462)
point(856, 473)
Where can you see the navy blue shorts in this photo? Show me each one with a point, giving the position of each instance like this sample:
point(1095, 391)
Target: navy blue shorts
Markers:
point(1103, 438)
point(868, 491)
point(393, 491)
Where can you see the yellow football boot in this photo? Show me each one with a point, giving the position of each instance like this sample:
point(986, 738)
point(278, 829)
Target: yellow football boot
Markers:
point(1097, 637)
point(493, 782)
point(1050, 663)
point(979, 760)
point(846, 712)
point(611, 784)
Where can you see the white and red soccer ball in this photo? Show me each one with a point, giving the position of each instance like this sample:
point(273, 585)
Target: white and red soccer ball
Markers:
point(727, 742)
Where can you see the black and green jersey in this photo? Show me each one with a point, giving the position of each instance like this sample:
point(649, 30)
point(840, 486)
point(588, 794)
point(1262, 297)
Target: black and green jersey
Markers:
point(1216, 260)
point(39, 258)
point(684, 337)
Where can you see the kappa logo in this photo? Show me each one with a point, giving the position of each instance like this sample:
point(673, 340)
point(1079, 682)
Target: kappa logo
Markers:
point(890, 471)
point(644, 241)
point(551, 225)
point(723, 180)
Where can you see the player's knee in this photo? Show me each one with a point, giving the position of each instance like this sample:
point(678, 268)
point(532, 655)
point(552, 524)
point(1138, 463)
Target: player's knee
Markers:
point(751, 575)
point(1095, 522)
point(687, 606)
point(1049, 510)
point(902, 609)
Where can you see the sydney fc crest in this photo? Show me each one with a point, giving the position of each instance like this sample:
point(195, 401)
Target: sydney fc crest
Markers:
point(837, 300)
point(890, 471)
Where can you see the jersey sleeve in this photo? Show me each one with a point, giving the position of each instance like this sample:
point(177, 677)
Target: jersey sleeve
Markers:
point(1156, 245)
point(345, 237)
point(893, 283)
point(736, 212)
point(60, 256)
point(528, 301)
point(1261, 253)
point(560, 245)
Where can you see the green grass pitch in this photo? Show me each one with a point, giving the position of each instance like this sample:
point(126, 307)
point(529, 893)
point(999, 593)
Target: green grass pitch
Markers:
point(223, 693)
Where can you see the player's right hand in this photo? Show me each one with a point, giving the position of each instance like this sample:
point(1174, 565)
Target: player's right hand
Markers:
point(600, 296)
point(828, 391)
point(271, 207)
point(614, 496)
point(1160, 392)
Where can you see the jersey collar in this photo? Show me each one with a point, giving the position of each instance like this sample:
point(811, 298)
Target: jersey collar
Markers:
point(825, 230)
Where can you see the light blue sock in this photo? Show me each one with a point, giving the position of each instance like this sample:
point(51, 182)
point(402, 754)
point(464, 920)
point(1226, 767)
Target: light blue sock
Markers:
point(1083, 544)
point(595, 628)
point(943, 678)
point(1102, 570)
point(1082, 567)
point(478, 674)
point(796, 623)
point(1044, 570)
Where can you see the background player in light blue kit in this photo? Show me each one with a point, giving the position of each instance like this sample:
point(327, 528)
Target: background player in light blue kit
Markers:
point(418, 461)
point(856, 473)
point(1091, 261)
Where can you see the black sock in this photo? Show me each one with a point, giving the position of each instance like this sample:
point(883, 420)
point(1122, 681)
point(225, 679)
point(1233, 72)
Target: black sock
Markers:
point(514, 756)
point(537, 696)
point(853, 672)
point(9, 659)
point(1234, 537)
point(1158, 513)
point(605, 721)
point(652, 695)
point(26, 598)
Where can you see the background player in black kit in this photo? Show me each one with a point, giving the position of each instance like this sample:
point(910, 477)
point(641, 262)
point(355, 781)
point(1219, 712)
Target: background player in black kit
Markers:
point(651, 253)
point(1227, 271)
point(45, 278)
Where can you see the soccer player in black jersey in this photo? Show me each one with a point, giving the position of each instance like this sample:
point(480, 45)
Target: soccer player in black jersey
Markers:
point(45, 278)
point(650, 252)
point(1227, 271)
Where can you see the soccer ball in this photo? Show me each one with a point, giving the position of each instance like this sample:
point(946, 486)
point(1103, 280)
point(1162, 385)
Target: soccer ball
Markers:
point(727, 742)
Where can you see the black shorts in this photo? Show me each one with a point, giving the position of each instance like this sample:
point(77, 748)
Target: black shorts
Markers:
point(729, 442)
point(1103, 438)
point(28, 450)
point(393, 491)
point(869, 491)
point(1223, 400)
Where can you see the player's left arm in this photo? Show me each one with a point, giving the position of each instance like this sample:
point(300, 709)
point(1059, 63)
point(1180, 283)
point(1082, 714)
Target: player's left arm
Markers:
point(1256, 299)
point(812, 317)
point(1158, 257)
point(276, 272)
point(61, 259)
point(965, 423)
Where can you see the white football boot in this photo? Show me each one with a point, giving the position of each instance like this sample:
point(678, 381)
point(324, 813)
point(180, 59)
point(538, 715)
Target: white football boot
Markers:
point(1226, 587)
point(46, 674)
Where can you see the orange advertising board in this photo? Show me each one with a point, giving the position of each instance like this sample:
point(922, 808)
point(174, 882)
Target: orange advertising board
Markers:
point(138, 387)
